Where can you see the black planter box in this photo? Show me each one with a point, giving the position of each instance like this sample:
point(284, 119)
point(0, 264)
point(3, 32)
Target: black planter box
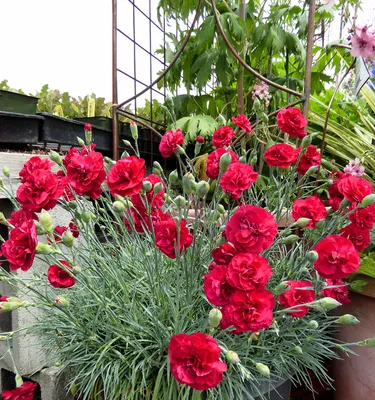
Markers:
point(19, 128)
point(65, 131)
point(101, 122)
point(17, 103)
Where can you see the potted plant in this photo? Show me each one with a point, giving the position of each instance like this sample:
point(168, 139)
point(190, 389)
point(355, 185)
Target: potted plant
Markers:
point(163, 306)
point(16, 101)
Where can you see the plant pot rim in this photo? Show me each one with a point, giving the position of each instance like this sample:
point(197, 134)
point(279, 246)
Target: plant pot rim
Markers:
point(19, 115)
point(73, 121)
point(18, 94)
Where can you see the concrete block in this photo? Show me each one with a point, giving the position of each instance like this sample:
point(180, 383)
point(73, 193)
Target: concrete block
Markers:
point(53, 385)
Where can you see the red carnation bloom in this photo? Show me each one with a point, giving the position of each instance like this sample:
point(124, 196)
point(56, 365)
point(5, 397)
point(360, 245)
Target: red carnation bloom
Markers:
point(297, 294)
point(58, 277)
point(335, 196)
point(200, 139)
point(32, 165)
point(4, 299)
point(68, 157)
point(20, 248)
point(363, 218)
point(73, 228)
point(138, 220)
point(222, 137)
point(291, 121)
point(354, 189)
point(248, 271)
point(125, 177)
point(311, 158)
point(57, 233)
point(242, 122)
point(40, 191)
point(153, 201)
point(359, 237)
point(86, 174)
point(337, 257)
point(195, 360)
point(216, 287)
point(87, 127)
point(281, 155)
point(170, 142)
point(166, 236)
point(213, 162)
point(311, 207)
point(251, 229)
point(248, 311)
point(23, 392)
point(19, 217)
point(341, 294)
point(237, 178)
point(224, 254)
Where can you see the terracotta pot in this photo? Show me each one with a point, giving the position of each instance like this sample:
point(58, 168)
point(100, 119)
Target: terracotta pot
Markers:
point(354, 376)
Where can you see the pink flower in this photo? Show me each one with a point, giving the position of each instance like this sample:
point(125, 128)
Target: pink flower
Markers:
point(363, 43)
point(354, 168)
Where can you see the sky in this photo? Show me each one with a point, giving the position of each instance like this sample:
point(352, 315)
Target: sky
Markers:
point(68, 44)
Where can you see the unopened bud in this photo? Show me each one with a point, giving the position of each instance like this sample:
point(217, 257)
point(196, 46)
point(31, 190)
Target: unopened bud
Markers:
point(62, 301)
point(290, 239)
point(265, 118)
point(86, 216)
point(302, 222)
point(109, 161)
point(73, 205)
point(370, 342)
point(76, 270)
point(127, 143)
point(45, 220)
point(311, 170)
point(180, 150)
point(188, 183)
point(306, 141)
point(1, 182)
point(225, 161)
point(348, 319)
point(146, 186)
point(256, 104)
point(124, 154)
point(39, 228)
point(203, 188)
point(232, 357)
point(263, 369)
point(173, 176)
point(253, 161)
point(6, 172)
point(43, 248)
point(242, 160)
point(156, 171)
point(281, 288)
point(180, 202)
point(221, 120)
point(368, 200)
point(327, 304)
point(55, 157)
point(67, 238)
point(157, 165)
point(118, 207)
point(345, 203)
point(214, 318)
point(134, 130)
point(197, 148)
point(298, 350)
point(80, 141)
point(221, 209)
point(313, 325)
point(312, 256)
point(158, 187)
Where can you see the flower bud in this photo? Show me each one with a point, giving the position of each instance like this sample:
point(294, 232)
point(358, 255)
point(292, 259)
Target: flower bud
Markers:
point(188, 183)
point(290, 239)
point(134, 130)
point(298, 350)
point(45, 220)
point(370, 342)
point(109, 161)
point(221, 240)
point(67, 238)
point(203, 188)
point(55, 157)
point(124, 154)
point(200, 139)
point(180, 202)
point(232, 357)
point(146, 186)
point(214, 317)
point(19, 382)
point(180, 150)
point(62, 301)
point(127, 143)
point(43, 248)
point(157, 165)
point(242, 160)
point(306, 141)
point(313, 325)
point(76, 270)
point(86, 216)
point(73, 205)
point(265, 118)
point(327, 304)
point(253, 161)
point(221, 120)
point(6, 306)
point(80, 141)
point(156, 171)
point(312, 256)
point(225, 160)
point(1, 182)
point(256, 104)
point(301, 222)
point(39, 228)
point(281, 288)
point(221, 209)
point(348, 319)
point(173, 176)
point(345, 203)
point(263, 369)
point(118, 207)
point(368, 200)
point(88, 137)
point(311, 170)
point(158, 187)
point(6, 172)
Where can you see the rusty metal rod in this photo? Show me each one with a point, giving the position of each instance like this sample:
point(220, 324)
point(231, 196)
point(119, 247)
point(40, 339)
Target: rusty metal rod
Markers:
point(242, 62)
point(115, 136)
point(139, 121)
